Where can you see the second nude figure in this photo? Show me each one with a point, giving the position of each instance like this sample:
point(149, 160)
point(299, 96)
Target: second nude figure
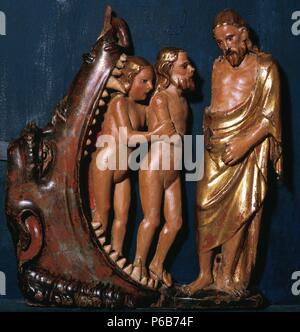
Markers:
point(157, 185)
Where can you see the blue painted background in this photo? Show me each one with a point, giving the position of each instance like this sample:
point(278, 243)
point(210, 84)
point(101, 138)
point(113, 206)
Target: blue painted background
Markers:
point(42, 51)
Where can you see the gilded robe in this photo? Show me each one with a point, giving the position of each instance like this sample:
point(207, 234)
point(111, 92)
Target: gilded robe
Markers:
point(231, 197)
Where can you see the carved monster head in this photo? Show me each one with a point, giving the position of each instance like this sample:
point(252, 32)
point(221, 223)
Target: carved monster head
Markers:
point(45, 201)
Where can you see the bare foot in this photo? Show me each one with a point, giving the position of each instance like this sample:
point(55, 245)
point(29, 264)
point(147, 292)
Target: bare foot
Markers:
point(227, 285)
point(139, 271)
point(157, 273)
point(136, 273)
point(203, 281)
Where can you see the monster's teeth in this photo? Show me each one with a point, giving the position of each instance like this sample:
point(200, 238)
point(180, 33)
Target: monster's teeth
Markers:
point(116, 72)
point(155, 283)
point(120, 64)
point(123, 57)
point(114, 256)
point(86, 153)
point(150, 283)
point(101, 102)
point(102, 240)
point(99, 232)
point(107, 248)
point(128, 269)
point(144, 281)
point(97, 112)
point(94, 122)
point(126, 86)
point(121, 262)
point(114, 84)
point(105, 93)
point(96, 225)
point(90, 133)
point(88, 142)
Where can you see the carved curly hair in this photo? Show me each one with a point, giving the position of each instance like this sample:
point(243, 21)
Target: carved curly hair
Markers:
point(165, 60)
point(133, 66)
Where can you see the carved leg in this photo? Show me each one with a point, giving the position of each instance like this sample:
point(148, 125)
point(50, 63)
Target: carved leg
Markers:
point(151, 189)
point(102, 182)
point(247, 257)
point(231, 251)
point(173, 217)
point(121, 207)
point(205, 277)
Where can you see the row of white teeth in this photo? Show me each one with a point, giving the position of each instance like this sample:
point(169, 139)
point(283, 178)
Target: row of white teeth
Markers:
point(132, 271)
point(112, 84)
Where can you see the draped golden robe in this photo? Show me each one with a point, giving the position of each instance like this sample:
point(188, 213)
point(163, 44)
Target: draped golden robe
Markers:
point(231, 197)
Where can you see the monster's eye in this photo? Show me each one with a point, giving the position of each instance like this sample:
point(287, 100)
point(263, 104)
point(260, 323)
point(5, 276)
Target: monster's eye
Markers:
point(47, 157)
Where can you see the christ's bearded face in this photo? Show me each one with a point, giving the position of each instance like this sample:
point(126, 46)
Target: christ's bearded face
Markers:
point(232, 41)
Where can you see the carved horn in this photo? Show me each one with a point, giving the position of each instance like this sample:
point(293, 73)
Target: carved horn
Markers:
point(107, 21)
